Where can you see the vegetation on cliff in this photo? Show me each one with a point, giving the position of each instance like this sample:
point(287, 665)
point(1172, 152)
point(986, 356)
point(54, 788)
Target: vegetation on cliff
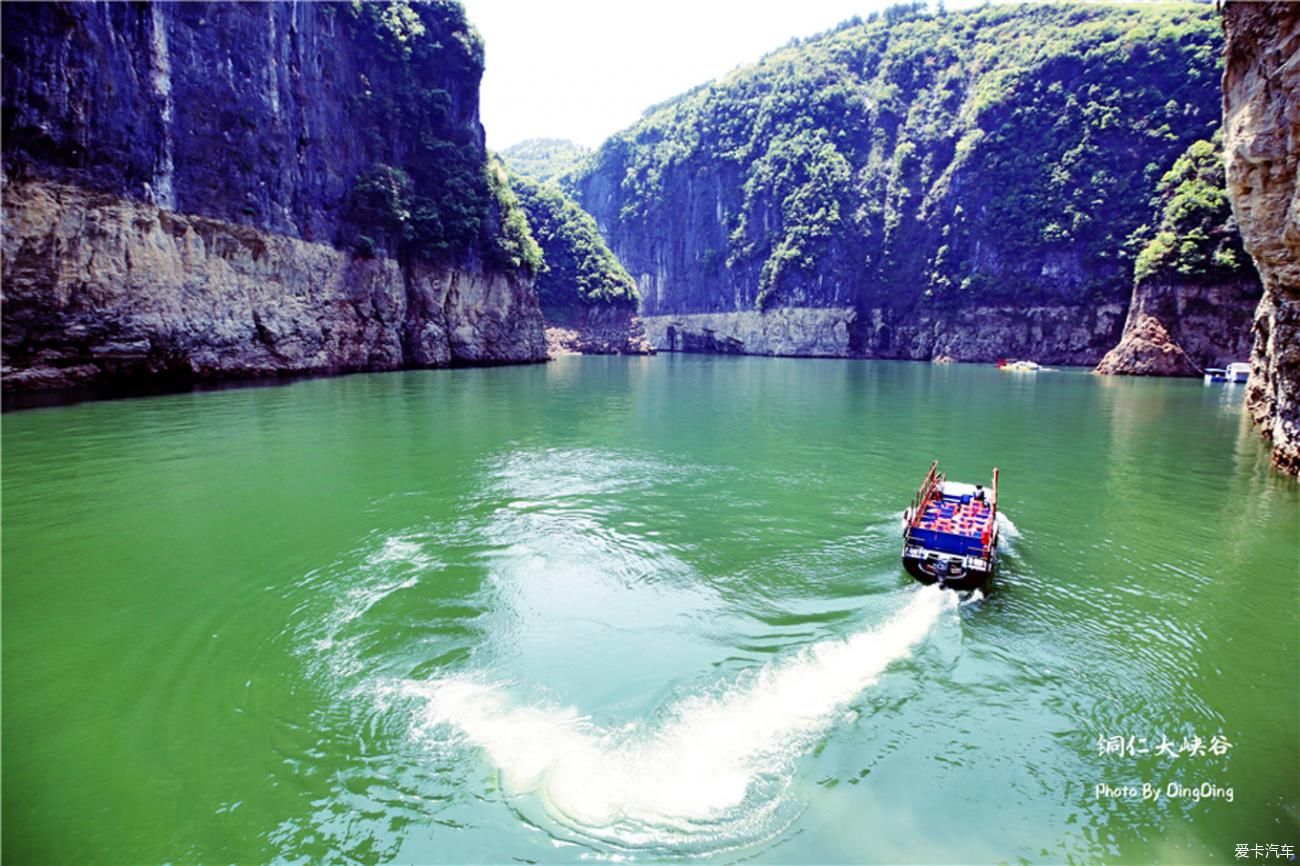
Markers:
point(436, 196)
point(994, 155)
point(544, 159)
point(1194, 287)
point(579, 269)
point(1195, 234)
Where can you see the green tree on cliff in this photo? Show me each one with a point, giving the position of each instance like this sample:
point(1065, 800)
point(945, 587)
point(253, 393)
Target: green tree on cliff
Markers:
point(579, 268)
point(1195, 234)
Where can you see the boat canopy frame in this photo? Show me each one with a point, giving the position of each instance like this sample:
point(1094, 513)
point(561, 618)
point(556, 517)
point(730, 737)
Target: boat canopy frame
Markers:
point(936, 479)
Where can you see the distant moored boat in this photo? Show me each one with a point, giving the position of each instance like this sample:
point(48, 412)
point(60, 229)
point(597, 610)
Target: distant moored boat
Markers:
point(1236, 373)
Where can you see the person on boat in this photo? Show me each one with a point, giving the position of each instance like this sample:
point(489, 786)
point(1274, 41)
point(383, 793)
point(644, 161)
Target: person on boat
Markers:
point(979, 493)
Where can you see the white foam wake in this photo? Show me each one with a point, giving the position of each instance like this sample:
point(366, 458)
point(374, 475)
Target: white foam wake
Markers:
point(710, 771)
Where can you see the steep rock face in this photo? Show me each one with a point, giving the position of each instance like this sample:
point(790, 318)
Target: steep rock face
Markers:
point(588, 300)
point(1178, 328)
point(923, 171)
point(1055, 332)
point(1261, 109)
point(600, 330)
point(1147, 349)
point(1195, 289)
point(811, 332)
point(99, 288)
point(984, 332)
point(256, 113)
point(180, 178)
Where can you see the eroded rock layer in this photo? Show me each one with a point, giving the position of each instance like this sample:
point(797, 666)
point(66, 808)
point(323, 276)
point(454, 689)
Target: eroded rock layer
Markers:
point(205, 190)
point(1180, 328)
point(101, 289)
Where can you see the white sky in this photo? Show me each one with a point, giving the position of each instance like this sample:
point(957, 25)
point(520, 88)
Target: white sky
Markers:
point(584, 69)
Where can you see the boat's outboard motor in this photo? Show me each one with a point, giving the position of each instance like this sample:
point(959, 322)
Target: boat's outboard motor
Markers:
point(947, 569)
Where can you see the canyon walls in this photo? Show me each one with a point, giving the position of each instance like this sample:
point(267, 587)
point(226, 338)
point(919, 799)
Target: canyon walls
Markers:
point(917, 185)
point(199, 190)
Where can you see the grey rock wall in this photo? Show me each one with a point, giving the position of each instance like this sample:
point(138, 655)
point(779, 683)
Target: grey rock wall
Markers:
point(100, 289)
point(177, 183)
point(1261, 111)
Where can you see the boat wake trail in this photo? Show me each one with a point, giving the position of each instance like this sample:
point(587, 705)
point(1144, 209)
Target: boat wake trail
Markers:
point(709, 772)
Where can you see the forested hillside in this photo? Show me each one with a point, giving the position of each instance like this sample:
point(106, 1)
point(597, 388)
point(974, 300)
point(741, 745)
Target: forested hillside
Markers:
point(582, 287)
point(959, 183)
point(578, 268)
point(544, 159)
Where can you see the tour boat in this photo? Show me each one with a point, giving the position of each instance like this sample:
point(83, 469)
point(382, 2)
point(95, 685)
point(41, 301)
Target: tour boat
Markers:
point(1019, 366)
point(1236, 373)
point(950, 533)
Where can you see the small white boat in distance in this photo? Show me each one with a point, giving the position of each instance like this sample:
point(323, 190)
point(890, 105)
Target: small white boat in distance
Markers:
point(1020, 366)
point(1236, 374)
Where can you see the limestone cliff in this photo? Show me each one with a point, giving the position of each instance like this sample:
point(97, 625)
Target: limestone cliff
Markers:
point(100, 288)
point(589, 302)
point(962, 182)
point(1195, 289)
point(219, 189)
point(1180, 327)
point(1261, 109)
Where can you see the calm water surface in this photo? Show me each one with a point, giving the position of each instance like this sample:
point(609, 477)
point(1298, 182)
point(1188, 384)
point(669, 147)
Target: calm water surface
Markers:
point(643, 609)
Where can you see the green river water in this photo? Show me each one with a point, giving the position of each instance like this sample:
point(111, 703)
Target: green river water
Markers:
point(645, 609)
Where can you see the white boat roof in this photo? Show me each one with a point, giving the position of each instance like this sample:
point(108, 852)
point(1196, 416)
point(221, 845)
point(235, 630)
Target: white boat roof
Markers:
point(957, 488)
point(1239, 367)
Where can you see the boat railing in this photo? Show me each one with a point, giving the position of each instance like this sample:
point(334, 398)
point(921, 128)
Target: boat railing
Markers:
point(934, 478)
point(923, 495)
point(995, 493)
point(993, 519)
